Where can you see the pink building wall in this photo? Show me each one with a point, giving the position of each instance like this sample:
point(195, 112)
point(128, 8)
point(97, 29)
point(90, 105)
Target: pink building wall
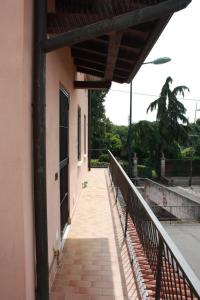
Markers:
point(17, 251)
point(61, 72)
point(16, 202)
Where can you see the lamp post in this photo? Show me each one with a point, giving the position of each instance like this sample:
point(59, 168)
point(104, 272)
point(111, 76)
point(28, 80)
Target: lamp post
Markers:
point(157, 61)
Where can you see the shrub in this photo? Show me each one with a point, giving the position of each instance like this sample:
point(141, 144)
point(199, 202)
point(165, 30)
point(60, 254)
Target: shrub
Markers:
point(98, 164)
point(104, 158)
point(146, 172)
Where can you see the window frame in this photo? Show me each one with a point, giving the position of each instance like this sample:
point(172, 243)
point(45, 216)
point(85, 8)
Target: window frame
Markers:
point(79, 133)
point(85, 136)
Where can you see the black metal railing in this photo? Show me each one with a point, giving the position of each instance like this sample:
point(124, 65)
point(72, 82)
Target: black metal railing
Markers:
point(172, 276)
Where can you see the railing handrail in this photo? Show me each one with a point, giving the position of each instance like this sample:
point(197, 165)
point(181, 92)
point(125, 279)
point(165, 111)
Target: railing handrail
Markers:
point(195, 206)
point(98, 149)
point(191, 277)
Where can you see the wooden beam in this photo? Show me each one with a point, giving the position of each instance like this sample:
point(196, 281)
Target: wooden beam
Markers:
point(90, 71)
point(88, 64)
point(128, 55)
point(94, 46)
point(92, 85)
point(83, 55)
point(90, 51)
point(117, 23)
point(113, 49)
point(132, 43)
point(149, 45)
point(91, 68)
point(119, 80)
point(123, 65)
point(143, 27)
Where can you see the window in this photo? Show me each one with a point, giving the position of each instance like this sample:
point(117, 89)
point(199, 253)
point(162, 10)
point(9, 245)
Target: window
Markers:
point(79, 133)
point(84, 134)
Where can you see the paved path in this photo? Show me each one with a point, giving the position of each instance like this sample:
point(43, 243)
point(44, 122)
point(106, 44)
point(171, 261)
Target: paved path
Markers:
point(95, 264)
point(187, 239)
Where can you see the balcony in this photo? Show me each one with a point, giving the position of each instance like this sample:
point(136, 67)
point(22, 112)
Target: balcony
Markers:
point(117, 248)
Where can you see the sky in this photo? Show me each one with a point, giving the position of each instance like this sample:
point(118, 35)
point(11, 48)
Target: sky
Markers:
point(181, 42)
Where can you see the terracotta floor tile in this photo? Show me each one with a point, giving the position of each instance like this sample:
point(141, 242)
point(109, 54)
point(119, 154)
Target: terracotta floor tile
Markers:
point(79, 283)
point(90, 291)
point(103, 284)
point(95, 264)
point(78, 297)
point(57, 296)
point(103, 298)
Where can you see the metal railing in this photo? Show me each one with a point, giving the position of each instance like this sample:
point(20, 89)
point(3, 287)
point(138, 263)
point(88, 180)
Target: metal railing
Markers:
point(172, 276)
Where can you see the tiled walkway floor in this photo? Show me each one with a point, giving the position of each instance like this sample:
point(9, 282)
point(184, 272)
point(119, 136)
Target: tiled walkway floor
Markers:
point(95, 263)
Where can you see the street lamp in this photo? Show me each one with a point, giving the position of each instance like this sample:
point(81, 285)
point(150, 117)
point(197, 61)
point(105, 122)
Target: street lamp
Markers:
point(157, 61)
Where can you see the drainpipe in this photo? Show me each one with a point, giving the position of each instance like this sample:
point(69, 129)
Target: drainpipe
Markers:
point(39, 152)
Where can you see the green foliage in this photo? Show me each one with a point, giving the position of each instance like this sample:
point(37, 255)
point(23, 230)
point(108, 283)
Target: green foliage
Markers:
point(197, 148)
point(187, 152)
point(95, 163)
point(170, 112)
point(172, 124)
point(113, 143)
point(170, 133)
point(104, 158)
point(146, 172)
point(99, 123)
point(145, 138)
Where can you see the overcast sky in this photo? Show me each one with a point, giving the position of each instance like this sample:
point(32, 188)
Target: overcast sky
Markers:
point(181, 42)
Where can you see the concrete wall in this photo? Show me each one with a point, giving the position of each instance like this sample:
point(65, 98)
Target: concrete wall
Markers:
point(17, 251)
point(176, 204)
point(183, 181)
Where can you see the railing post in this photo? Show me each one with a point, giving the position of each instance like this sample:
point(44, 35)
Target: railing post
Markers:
point(126, 221)
point(116, 195)
point(159, 269)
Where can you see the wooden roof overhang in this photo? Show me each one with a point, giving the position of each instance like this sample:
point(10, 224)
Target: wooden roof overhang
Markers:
point(109, 39)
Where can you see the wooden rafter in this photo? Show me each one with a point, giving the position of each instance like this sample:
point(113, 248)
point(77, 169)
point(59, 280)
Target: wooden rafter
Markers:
point(92, 85)
point(83, 55)
point(88, 64)
point(117, 23)
point(149, 45)
point(90, 71)
point(94, 46)
point(113, 49)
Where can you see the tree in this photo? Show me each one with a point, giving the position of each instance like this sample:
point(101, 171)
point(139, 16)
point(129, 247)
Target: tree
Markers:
point(122, 132)
point(98, 120)
point(170, 115)
point(145, 138)
point(113, 143)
